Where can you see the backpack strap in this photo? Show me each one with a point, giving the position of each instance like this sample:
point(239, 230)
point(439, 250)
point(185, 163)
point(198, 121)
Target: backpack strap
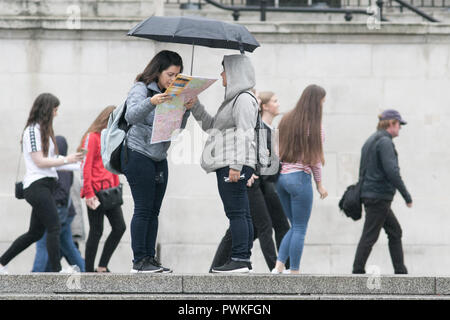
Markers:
point(150, 93)
point(257, 128)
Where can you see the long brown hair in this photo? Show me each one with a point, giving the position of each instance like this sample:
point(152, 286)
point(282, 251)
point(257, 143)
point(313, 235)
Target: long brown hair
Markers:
point(42, 113)
point(160, 62)
point(300, 129)
point(100, 123)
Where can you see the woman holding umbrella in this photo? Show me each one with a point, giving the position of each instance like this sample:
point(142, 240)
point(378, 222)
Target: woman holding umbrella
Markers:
point(230, 152)
point(145, 165)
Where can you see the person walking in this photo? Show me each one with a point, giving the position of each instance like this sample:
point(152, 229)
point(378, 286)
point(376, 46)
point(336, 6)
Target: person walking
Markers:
point(66, 213)
point(270, 108)
point(230, 152)
point(301, 155)
point(95, 178)
point(265, 207)
point(39, 183)
point(145, 164)
point(381, 178)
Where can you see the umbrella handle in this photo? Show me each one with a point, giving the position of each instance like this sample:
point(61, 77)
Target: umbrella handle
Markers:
point(192, 58)
point(241, 46)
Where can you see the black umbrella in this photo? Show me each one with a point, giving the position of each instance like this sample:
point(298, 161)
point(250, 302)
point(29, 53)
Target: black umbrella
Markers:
point(196, 31)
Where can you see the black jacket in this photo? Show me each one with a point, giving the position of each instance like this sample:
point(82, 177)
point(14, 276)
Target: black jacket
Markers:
point(382, 176)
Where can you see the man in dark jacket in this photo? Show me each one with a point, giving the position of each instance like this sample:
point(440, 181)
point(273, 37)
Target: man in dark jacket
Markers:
point(381, 178)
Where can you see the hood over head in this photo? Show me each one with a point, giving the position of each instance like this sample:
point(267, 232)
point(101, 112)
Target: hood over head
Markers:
point(240, 74)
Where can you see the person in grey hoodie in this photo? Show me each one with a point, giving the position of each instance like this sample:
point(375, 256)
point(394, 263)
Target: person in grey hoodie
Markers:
point(145, 164)
point(230, 152)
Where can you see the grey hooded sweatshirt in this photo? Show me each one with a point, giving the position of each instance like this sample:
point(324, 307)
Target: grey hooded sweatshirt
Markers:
point(231, 131)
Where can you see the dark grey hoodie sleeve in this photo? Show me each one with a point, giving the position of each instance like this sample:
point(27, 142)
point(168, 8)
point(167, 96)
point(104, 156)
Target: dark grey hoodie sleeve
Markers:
point(389, 161)
point(138, 105)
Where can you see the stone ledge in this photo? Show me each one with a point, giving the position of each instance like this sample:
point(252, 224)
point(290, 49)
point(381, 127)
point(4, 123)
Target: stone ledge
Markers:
point(218, 284)
point(266, 32)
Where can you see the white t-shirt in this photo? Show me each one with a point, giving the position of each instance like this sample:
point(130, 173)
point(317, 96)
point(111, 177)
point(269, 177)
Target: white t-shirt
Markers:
point(32, 143)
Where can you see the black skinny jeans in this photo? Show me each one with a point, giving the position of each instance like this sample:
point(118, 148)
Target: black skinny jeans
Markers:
point(44, 216)
point(379, 215)
point(96, 218)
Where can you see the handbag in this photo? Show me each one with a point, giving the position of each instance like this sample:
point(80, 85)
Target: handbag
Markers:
point(350, 202)
point(110, 198)
point(18, 191)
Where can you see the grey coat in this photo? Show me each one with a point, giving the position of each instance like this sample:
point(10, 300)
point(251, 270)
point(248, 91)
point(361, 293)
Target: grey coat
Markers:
point(140, 114)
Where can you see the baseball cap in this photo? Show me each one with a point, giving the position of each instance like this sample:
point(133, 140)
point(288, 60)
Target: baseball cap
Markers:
point(391, 114)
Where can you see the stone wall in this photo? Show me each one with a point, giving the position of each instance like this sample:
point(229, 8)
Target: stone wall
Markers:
point(402, 66)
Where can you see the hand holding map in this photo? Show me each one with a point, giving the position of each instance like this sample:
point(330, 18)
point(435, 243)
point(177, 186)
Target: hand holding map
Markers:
point(169, 115)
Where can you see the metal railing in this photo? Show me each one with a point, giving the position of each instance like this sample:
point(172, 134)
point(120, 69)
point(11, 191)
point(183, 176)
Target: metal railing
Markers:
point(305, 3)
point(346, 7)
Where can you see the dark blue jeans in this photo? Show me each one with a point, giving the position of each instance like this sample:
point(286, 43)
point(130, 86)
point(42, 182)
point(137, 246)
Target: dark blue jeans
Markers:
point(148, 182)
point(237, 209)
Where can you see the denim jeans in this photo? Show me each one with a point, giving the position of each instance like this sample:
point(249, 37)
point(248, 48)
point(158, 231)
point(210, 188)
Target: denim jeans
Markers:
point(148, 181)
point(262, 226)
point(235, 202)
point(296, 196)
point(68, 250)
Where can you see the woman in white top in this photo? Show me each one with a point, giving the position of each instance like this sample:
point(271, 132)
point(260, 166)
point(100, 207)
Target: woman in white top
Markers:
point(39, 182)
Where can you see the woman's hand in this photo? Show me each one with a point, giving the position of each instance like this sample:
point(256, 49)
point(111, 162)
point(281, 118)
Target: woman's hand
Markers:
point(234, 175)
point(93, 202)
point(160, 98)
point(188, 105)
point(322, 191)
point(251, 181)
point(75, 157)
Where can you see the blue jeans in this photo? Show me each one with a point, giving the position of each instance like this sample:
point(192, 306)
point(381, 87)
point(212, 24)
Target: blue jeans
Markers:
point(67, 246)
point(148, 181)
point(296, 196)
point(235, 202)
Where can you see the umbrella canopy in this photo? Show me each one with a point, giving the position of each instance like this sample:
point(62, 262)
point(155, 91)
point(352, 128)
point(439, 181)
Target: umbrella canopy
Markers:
point(196, 31)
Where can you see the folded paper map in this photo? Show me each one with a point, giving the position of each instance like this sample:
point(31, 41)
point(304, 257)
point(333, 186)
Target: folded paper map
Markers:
point(169, 115)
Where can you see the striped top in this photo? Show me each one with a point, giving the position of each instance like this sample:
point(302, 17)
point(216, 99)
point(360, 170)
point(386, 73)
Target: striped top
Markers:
point(315, 170)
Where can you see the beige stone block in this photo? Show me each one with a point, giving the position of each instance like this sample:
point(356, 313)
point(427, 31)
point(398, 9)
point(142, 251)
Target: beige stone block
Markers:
point(395, 60)
point(129, 56)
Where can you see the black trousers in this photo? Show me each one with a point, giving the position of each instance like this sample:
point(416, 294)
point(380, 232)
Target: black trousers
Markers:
point(379, 215)
point(44, 216)
point(280, 223)
point(266, 213)
point(96, 218)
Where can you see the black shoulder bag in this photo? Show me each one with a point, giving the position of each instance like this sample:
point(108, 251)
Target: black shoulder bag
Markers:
point(19, 184)
point(110, 198)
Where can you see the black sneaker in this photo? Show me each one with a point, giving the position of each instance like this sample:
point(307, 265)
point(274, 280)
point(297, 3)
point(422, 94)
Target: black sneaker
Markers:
point(155, 262)
point(145, 266)
point(233, 267)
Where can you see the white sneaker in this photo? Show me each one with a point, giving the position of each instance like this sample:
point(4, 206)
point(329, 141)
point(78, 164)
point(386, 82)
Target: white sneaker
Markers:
point(3, 270)
point(287, 271)
point(275, 271)
point(70, 269)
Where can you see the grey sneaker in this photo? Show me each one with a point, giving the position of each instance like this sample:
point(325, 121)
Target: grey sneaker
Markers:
point(155, 262)
point(145, 266)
